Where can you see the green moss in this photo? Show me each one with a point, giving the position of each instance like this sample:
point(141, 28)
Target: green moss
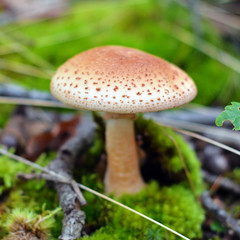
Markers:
point(6, 111)
point(235, 175)
point(10, 168)
point(31, 195)
point(173, 206)
point(169, 149)
point(172, 203)
point(26, 224)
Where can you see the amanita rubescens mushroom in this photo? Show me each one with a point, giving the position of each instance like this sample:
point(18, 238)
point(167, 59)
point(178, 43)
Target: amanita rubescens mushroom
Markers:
point(121, 82)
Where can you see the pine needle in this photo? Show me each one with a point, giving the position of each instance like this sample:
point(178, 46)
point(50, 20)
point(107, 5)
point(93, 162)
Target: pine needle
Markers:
point(183, 162)
point(205, 139)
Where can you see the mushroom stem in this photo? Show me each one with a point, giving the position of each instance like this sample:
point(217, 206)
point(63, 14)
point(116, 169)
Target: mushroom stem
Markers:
point(123, 172)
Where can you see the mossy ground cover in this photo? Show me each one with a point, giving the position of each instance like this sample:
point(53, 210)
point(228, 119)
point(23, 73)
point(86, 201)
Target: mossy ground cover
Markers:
point(173, 204)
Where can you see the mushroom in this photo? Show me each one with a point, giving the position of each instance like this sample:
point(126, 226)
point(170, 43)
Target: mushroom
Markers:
point(121, 82)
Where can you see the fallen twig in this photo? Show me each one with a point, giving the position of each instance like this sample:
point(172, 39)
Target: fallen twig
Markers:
point(16, 91)
point(33, 102)
point(219, 214)
point(68, 190)
point(74, 218)
point(222, 182)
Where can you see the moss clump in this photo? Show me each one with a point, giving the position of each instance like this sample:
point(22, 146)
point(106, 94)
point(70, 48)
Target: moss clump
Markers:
point(20, 198)
point(25, 224)
point(10, 168)
point(166, 151)
point(173, 206)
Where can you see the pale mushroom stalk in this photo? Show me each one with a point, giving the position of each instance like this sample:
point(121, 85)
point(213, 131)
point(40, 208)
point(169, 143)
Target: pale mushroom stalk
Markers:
point(123, 171)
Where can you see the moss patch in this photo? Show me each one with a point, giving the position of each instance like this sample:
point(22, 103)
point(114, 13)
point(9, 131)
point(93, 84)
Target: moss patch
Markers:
point(167, 152)
point(168, 197)
point(173, 206)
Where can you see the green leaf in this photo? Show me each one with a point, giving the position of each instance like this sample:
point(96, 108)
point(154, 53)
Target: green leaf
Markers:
point(217, 227)
point(232, 114)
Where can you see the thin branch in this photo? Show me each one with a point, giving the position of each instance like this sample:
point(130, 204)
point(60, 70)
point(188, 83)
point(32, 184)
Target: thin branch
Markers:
point(17, 91)
point(34, 165)
point(44, 103)
point(219, 213)
point(221, 182)
point(48, 177)
point(33, 102)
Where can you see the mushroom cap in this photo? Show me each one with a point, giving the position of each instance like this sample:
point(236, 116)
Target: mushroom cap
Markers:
point(121, 80)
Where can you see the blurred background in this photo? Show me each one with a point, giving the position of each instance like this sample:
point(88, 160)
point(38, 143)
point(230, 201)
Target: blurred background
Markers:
point(201, 37)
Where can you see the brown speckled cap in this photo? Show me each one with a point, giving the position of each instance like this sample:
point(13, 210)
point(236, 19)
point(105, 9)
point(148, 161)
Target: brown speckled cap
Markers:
point(121, 80)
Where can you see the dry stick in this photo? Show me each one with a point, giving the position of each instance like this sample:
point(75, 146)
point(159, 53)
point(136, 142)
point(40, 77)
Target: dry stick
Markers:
point(219, 213)
point(16, 91)
point(12, 91)
point(44, 103)
point(33, 102)
point(74, 218)
point(183, 162)
point(62, 178)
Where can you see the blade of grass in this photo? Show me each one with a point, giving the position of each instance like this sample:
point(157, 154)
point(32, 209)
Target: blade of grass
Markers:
point(36, 166)
point(67, 36)
point(25, 69)
point(201, 45)
point(6, 79)
point(85, 7)
point(27, 53)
